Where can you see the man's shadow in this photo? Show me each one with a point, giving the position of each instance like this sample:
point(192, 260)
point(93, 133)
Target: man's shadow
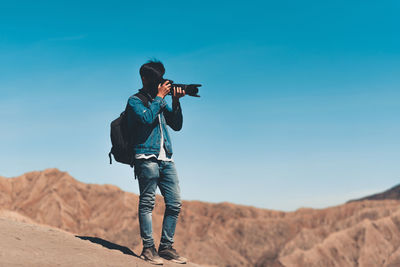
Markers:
point(108, 244)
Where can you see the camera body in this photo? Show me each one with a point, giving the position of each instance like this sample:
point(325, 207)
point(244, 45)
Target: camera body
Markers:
point(190, 89)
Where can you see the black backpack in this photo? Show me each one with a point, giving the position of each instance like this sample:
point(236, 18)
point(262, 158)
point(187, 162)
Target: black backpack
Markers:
point(121, 138)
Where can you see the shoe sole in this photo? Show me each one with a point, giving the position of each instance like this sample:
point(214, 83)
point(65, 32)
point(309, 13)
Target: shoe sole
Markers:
point(150, 261)
point(177, 261)
point(174, 260)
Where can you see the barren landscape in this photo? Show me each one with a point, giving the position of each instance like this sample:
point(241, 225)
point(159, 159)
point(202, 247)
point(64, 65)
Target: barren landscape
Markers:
point(358, 233)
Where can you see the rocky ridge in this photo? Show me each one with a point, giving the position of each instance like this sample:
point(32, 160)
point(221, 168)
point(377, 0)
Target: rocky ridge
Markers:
point(359, 233)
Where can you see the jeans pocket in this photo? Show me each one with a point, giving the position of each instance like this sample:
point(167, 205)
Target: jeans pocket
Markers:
point(147, 168)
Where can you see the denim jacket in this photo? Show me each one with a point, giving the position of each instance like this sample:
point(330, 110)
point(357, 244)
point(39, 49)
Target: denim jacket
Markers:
point(144, 125)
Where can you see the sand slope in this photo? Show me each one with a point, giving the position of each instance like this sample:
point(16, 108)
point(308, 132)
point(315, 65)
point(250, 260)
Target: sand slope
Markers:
point(29, 244)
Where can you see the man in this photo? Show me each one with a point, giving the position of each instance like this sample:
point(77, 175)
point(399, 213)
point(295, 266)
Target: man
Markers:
point(148, 117)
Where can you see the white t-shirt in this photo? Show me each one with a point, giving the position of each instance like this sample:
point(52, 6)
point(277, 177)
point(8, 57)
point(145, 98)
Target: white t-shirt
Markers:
point(162, 155)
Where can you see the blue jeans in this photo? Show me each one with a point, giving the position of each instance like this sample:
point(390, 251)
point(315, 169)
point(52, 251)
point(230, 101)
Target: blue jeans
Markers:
point(152, 173)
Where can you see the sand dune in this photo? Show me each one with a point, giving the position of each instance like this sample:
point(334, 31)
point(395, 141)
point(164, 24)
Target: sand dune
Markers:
point(359, 233)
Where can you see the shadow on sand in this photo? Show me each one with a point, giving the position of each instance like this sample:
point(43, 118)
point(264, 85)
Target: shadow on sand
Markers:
point(108, 244)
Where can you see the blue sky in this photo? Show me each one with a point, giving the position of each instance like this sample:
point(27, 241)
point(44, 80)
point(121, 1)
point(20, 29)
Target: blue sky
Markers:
point(299, 105)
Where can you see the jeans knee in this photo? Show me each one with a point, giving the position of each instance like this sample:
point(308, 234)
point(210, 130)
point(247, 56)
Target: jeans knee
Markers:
point(146, 203)
point(174, 207)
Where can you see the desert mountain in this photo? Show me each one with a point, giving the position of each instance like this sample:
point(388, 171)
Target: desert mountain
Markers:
point(392, 193)
point(362, 233)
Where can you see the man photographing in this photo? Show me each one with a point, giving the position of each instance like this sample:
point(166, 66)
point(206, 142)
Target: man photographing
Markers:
point(148, 115)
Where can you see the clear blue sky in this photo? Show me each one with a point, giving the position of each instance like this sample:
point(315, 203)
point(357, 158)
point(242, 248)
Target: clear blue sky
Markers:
point(300, 103)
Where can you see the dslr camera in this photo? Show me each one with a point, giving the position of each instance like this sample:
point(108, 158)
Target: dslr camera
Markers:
point(190, 89)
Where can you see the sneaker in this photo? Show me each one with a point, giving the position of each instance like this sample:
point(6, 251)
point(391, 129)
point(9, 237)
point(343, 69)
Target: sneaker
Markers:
point(169, 253)
point(150, 255)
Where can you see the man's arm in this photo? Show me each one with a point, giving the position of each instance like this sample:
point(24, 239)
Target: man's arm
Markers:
point(173, 115)
point(148, 115)
point(143, 114)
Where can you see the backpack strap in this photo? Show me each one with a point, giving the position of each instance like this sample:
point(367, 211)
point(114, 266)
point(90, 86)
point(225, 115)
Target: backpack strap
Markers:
point(144, 98)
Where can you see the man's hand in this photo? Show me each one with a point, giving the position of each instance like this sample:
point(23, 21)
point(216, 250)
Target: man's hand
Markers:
point(178, 93)
point(164, 89)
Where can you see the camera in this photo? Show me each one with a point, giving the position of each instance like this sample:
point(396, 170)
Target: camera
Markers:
point(190, 89)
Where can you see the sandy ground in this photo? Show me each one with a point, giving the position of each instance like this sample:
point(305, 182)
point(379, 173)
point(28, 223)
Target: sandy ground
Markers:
point(29, 244)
